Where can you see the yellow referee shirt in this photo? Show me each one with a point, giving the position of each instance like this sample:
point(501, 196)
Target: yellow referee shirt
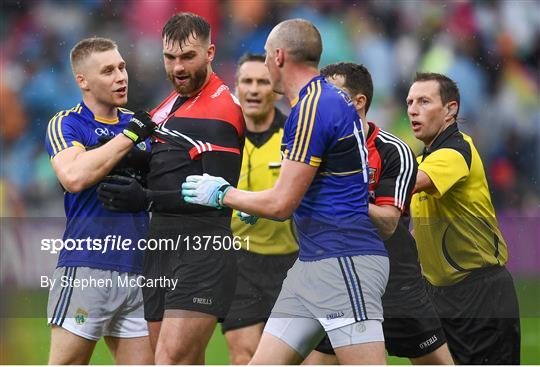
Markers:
point(456, 229)
point(261, 163)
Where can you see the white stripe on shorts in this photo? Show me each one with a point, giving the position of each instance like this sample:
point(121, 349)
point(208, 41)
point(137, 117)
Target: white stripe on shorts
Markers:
point(65, 297)
point(353, 287)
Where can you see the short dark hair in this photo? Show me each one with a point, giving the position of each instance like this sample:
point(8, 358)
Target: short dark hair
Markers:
point(88, 46)
point(448, 88)
point(357, 78)
point(247, 58)
point(183, 25)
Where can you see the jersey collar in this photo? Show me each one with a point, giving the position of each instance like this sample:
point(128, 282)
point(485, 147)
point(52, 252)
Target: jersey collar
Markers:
point(303, 91)
point(439, 140)
point(261, 138)
point(372, 132)
point(86, 111)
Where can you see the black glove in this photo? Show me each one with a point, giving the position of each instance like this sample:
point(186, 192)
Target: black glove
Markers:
point(124, 194)
point(136, 159)
point(140, 127)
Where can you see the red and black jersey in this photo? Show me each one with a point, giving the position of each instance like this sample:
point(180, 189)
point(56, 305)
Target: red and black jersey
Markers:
point(392, 176)
point(203, 134)
point(212, 120)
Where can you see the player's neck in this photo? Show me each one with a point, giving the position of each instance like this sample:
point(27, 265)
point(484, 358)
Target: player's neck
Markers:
point(259, 125)
point(108, 112)
point(365, 124)
point(441, 130)
point(297, 78)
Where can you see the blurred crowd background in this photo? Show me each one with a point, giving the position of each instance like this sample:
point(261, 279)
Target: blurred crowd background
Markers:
point(491, 48)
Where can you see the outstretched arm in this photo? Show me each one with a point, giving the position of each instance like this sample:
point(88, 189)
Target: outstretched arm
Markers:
point(279, 202)
point(123, 194)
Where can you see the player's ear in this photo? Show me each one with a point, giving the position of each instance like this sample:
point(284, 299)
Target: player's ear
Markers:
point(211, 52)
point(452, 109)
point(81, 81)
point(280, 57)
point(359, 101)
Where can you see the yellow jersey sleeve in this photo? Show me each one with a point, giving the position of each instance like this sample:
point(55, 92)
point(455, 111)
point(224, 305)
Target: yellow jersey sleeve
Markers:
point(445, 167)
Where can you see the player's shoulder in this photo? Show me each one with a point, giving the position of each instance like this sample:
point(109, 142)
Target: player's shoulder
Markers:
point(320, 90)
point(392, 141)
point(332, 93)
point(391, 147)
point(68, 116)
point(453, 139)
point(64, 128)
point(325, 98)
point(221, 104)
point(226, 99)
point(336, 102)
point(219, 95)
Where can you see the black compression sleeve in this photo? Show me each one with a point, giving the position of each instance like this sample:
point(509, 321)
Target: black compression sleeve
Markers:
point(173, 202)
point(221, 164)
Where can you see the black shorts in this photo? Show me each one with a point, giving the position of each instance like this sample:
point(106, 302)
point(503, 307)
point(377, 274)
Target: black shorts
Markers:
point(206, 277)
point(480, 317)
point(411, 326)
point(258, 285)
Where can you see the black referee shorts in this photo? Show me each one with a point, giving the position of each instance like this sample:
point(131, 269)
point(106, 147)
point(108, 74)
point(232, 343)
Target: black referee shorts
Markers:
point(411, 325)
point(258, 285)
point(206, 277)
point(480, 317)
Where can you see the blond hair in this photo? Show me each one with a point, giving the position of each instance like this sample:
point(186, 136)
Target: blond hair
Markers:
point(86, 47)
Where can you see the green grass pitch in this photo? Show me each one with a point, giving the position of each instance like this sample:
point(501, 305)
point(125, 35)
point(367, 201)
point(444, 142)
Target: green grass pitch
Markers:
point(26, 340)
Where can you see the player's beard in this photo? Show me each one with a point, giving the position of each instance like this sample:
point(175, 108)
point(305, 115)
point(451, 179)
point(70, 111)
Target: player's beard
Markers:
point(196, 81)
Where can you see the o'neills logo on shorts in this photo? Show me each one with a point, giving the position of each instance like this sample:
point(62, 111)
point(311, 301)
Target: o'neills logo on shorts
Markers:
point(202, 301)
point(335, 315)
point(428, 342)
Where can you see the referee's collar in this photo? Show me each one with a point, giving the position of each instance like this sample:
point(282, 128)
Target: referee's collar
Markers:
point(439, 140)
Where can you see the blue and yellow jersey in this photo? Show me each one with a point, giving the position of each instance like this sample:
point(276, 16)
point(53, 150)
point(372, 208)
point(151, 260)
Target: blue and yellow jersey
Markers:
point(324, 131)
point(86, 217)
